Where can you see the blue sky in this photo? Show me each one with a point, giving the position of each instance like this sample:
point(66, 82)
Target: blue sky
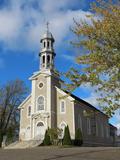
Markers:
point(22, 23)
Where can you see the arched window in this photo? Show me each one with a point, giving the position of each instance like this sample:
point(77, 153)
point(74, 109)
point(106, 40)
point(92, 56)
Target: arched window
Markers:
point(62, 127)
point(29, 111)
point(43, 59)
point(96, 125)
point(102, 130)
point(48, 44)
point(40, 124)
point(40, 103)
point(107, 132)
point(79, 122)
point(51, 44)
point(62, 106)
point(44, 44)
point(88, 126)
point(48, 59)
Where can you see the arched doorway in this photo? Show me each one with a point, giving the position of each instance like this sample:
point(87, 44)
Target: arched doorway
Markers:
point(40, 130)
point(62, 127)
point(28, 133)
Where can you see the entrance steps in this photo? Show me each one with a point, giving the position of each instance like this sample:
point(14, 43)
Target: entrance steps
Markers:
point(24, 144)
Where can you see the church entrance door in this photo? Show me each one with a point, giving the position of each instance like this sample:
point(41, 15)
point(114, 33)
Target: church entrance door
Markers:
point(40, 130)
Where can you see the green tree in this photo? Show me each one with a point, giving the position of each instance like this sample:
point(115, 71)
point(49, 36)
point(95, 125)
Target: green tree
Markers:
point(54, 135)
point(46, 140)
point(67, 138)
point(78, 137)
point(99, 64)
point(11, 96)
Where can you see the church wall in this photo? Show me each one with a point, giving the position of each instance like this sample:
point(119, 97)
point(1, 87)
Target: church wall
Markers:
point(42, 78)
point(68, 116)
point(24, 119)
point(99, 134)
point(54, 82)
point(40, 91)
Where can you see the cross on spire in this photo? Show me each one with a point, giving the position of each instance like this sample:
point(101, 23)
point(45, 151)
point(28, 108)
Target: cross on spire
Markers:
point(47, 24)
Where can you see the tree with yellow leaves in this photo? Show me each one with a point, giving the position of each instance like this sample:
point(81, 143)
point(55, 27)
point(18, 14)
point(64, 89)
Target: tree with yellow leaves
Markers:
point(101, 61)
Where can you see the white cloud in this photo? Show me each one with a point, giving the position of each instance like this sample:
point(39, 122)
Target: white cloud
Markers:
point(69, 57)
point(92, 99)
point(117, 114)
point(21, 24)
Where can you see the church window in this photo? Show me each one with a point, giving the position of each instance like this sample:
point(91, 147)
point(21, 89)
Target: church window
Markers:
point(102, 130)
point(96, 128)
point(62, 106)
point(40, 103)
point(48, 59)
point(51, 44)
point(107, 132)
point(40, 85)
point(79, 122)
point(29, 111)
point(62, 128)
point(48, 44)
point(88, 126)
point(44, 44)
point(43, 59)
point(40, 124)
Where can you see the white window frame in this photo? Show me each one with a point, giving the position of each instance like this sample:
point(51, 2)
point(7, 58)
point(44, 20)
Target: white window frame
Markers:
point(61, 107)
point(96, 128)
point(62, 133)
point(28, 111)
point(40, 122)
point(39, 84)
point(102, 130)
point(107, 132)
point(88, 126)
point(80, 122)
point(37, 104)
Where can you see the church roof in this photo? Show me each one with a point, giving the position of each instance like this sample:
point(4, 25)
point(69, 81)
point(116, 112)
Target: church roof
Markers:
point(88, 104)
point(25, 100)
point(47, 35)
point(73, 97)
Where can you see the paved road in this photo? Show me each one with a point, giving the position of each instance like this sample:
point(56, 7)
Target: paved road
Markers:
point(54, 153)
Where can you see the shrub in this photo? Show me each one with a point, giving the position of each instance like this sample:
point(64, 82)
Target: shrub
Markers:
point(78, 137)
point(54, 133)
point(67, 138)
point(46, 140)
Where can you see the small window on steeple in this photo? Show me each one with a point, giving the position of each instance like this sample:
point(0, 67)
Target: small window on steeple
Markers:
point(44, 44)
point(48, 44)
point(51, 44)
point(43, 59)
point(48, 59)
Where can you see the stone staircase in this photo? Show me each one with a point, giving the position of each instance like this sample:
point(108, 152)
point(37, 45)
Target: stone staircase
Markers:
point(24, 144)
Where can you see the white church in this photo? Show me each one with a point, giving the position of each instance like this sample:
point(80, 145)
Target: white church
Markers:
point(45, 107)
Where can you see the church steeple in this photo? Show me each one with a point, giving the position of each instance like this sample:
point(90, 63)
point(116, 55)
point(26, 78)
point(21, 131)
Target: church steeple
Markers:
point(47, 54)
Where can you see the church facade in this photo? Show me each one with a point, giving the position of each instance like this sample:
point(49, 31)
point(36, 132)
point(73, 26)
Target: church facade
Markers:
point(45, 106)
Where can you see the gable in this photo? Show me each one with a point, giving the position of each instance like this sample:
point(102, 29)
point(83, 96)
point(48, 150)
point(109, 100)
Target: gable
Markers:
point(64, 94)
point(79, 100)
point(27, 100)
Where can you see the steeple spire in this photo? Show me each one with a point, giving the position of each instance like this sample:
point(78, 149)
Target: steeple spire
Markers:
point(47, 26)
point(47, 52)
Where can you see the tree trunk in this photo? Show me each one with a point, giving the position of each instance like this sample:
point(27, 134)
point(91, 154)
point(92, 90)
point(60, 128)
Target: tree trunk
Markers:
point(1, 138)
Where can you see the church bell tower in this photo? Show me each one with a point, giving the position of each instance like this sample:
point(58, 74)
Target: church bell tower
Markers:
point(47, 54)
